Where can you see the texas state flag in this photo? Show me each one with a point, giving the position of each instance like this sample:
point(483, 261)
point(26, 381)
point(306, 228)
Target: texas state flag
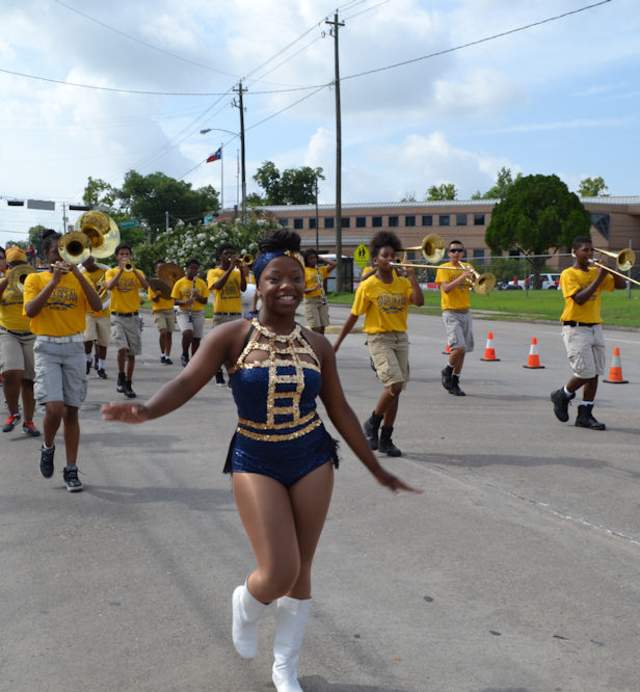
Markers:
point(217, 154)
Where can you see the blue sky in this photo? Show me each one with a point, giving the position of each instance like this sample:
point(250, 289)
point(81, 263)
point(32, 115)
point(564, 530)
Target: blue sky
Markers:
point(559, 98)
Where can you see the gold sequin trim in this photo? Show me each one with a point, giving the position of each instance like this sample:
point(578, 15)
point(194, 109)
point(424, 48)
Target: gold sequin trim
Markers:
point(276, 426)
point(261, 437)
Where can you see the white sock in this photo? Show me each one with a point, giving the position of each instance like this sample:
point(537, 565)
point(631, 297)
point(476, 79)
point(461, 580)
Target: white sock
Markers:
point(101, 364)
point(44, 445)
point(88, 357)
point(167, 354)
point(587, 403)
point(567, 392)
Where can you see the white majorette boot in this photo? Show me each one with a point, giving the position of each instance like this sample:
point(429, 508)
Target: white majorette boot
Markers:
point(246, 612)
point(291, 618)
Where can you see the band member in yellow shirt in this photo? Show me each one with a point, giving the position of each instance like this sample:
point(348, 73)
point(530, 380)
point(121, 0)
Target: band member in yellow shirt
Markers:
point(455, 287)
point(191, 296)
point(16, 351)
point(582, 286)
point(125, 282)
point(316, 311)
point(384, 300)
point(164, 319)
point(98, 325)
point(57, 302)
point(226, 282)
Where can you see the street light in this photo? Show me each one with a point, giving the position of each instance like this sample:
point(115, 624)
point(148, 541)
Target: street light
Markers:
point(205, 131)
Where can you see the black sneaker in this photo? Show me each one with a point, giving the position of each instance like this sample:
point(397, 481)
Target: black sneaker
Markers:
point(46, 461)
point(371, 430)
point(162, 359)
point(561, 404)
point(102, 374)
point(128, 391)
point(96, 364)
point(122, 383)
point(88, 367)
point(168, 361)
point(220, 379)
point(386, 443)
point(184, 359)
point(455, 386)
point(585, 419)
point(71, 480)
point(447, 374)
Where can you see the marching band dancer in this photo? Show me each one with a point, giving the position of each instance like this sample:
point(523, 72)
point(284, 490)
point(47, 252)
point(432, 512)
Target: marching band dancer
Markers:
point(16, 350)
point(316, 311)
point(455, 302)
point(3, 269)
point(125, 282)
point(98, 323)
point(164, 319)
point(582, 287)
point(384, 299)
point(281, 463)
point(57, 302)
point(226, 282)
point(190, 294)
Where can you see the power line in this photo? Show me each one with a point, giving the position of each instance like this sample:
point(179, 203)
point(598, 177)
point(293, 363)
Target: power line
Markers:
point(367, 9)
point(291, 105)
point(142, 42)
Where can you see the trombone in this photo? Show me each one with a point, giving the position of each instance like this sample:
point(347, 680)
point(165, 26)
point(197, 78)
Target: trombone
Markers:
point(625, 259)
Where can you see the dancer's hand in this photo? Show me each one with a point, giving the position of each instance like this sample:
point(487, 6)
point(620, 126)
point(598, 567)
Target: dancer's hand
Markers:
point(125, 413)
point(388, 480)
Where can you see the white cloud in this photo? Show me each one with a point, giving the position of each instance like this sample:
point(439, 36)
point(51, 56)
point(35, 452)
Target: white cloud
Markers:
point(575, 124)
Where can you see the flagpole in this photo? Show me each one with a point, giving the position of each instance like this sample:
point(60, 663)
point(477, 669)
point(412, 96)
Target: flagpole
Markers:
point(221, 177)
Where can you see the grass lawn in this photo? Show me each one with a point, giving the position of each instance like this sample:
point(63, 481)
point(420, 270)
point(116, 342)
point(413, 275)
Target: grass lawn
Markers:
point(617, 309)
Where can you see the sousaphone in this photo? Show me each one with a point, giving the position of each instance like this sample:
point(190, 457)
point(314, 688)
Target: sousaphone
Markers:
point(101, 230)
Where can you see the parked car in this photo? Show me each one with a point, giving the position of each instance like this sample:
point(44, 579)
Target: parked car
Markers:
point(548, 281)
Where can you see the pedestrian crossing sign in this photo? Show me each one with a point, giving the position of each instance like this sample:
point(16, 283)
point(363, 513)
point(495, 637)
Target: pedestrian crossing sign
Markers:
point(361, 255)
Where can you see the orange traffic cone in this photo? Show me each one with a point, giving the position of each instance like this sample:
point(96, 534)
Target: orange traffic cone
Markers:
point(533, 361)
point(447, 350)
point(615, 371)
point(489, 350)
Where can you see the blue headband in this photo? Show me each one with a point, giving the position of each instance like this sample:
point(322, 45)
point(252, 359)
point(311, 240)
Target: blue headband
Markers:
point(266, 257)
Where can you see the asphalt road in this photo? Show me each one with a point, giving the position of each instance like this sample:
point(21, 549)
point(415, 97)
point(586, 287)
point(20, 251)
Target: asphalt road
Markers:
point(516, 571)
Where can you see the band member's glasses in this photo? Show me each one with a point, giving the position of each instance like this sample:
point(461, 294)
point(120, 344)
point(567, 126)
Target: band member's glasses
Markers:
point(456, 249)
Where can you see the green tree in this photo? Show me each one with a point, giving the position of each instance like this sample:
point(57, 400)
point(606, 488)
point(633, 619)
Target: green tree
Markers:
point(504, 182)
point(35, 237)
point(98, 193)
point(292, 186)
point(445, 191)
point(537, 213)
point(593, 187)
point(409, 197)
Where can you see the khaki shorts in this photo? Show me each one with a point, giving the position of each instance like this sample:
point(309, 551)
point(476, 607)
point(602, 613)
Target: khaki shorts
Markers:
point(97, 329)
point(125, 333)
point(16, 353)
point(459, 326)
point(316, 312)
point(221, 318)
point(165, 320)
point(192, 322)
point(389, 353)
point(60, 372)
point(585, 350)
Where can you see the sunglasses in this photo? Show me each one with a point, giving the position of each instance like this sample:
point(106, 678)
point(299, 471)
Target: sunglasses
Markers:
point(456, 249)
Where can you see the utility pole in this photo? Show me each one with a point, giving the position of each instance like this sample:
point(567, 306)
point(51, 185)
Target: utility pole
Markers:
point(335, 24)
point(166, 221)
point(317, 216)
point(240, 105)
point(64, 217)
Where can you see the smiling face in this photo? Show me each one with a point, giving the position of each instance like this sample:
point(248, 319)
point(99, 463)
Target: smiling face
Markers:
point(281, 286)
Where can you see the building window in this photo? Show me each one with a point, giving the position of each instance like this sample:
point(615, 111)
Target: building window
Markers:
point(346, 222)
point(478, 253)
point(312, 223)
point(601, 223)
point(409, 221)
point(361, 221)
point(298, 224)
point(444, 220)
point(478, 219)
point(461, 219)
point(328, 221)
point(283, 222)
point(427, 220)
point(394, 221)
point(376, 221)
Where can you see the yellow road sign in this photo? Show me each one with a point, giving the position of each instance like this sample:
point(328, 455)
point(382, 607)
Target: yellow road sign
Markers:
point(361, 256)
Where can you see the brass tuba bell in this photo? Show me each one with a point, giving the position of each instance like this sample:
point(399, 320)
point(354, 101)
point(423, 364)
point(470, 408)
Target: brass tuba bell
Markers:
point(74, 247)
point(101, 230)
point(16, 276)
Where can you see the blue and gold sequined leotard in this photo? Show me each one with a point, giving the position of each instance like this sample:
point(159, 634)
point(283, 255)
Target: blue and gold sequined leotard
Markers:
point(279, 432)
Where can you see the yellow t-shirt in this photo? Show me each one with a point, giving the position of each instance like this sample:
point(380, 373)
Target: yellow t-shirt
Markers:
point(183, 290)
point(314, 276)
point(125, 297)
point(572, 281)
point(458, 298)
point(385, 306)
point(66, 309)
point(162, 304)
point(228, 298)
point(12, 316)
point(97, 279)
